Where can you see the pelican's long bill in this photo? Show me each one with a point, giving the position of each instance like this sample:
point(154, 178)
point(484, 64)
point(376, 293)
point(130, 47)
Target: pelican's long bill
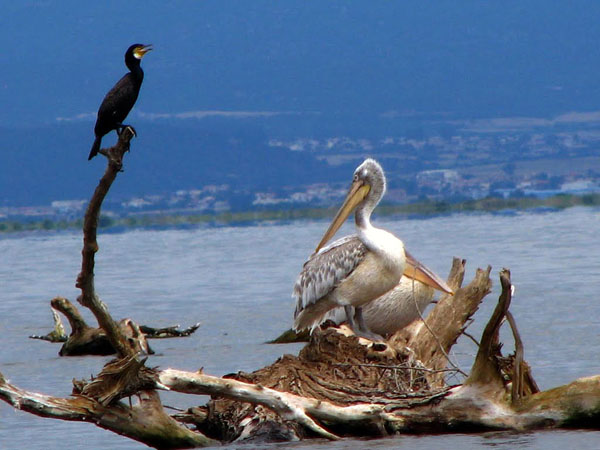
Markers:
point(417, 271)
point(358, 192)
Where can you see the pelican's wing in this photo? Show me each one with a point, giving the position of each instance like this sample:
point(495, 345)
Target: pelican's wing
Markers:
point(326, 269)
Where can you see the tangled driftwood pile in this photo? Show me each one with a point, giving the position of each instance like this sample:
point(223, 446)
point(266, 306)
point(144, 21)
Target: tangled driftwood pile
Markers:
point(337, 386)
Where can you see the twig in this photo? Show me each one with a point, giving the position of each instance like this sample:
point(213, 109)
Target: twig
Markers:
point(168, 332)
point(471, 337)
point(400, 367)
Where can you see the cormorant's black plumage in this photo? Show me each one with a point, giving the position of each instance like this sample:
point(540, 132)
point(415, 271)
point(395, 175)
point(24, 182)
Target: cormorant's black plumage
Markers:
point(121, 98)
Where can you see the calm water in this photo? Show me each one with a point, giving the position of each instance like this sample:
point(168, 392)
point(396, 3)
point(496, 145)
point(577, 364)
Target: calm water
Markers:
point(237, 283)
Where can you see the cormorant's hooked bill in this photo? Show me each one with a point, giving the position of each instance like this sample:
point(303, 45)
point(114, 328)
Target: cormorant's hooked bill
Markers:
point(121, 98)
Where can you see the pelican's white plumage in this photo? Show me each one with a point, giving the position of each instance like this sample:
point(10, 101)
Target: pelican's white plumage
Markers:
point(354, 270)
point(401, 305)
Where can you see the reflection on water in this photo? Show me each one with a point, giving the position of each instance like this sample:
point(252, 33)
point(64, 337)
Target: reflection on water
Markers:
point(237, 282)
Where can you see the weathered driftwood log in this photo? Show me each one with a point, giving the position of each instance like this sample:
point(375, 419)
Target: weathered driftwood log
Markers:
point(335, 387)
point(462, 408)
point(338, 369)
point(145, 421)
point(484, 401)
point(87, 340)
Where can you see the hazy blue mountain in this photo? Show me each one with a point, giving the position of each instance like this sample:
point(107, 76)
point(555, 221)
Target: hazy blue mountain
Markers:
point(227, 76)
point(164, 158)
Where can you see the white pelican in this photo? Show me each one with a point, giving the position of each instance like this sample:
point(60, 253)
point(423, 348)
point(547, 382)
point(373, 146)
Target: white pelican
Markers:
point(400, 306)
point(356, 269)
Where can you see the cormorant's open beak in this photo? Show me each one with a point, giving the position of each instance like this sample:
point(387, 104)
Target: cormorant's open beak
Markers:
point(358, 192)
point(141, 51)
point(417, 271)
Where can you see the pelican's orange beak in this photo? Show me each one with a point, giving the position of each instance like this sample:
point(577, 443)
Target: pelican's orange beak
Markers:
point(358, 192)
point(417, 271)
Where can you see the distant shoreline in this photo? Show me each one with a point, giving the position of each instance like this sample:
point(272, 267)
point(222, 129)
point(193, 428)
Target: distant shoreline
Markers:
point(426, 208)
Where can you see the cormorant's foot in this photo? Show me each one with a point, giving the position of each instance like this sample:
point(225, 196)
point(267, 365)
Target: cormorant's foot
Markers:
point(122, 127)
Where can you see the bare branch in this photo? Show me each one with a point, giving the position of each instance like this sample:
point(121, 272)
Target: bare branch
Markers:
point(145, 422)
point(85, 280)
point(445, 323)
point(523, 383)
point(57, 334)
point(289, 406)
point(485, 369)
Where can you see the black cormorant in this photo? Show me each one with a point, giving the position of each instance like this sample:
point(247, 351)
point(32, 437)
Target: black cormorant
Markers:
point(121, 98)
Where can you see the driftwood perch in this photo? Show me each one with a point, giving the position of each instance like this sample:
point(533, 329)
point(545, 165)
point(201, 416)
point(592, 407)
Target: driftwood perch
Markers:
point(337, 386)
point(85, 279)
point(87, 340)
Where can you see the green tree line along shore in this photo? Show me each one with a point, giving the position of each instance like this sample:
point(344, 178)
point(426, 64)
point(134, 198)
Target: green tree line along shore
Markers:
point(422, 208)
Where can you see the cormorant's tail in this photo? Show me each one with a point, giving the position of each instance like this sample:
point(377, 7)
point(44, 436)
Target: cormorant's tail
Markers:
point(95, 148)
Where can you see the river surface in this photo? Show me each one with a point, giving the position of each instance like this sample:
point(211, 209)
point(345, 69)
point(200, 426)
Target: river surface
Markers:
point(237, 282)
